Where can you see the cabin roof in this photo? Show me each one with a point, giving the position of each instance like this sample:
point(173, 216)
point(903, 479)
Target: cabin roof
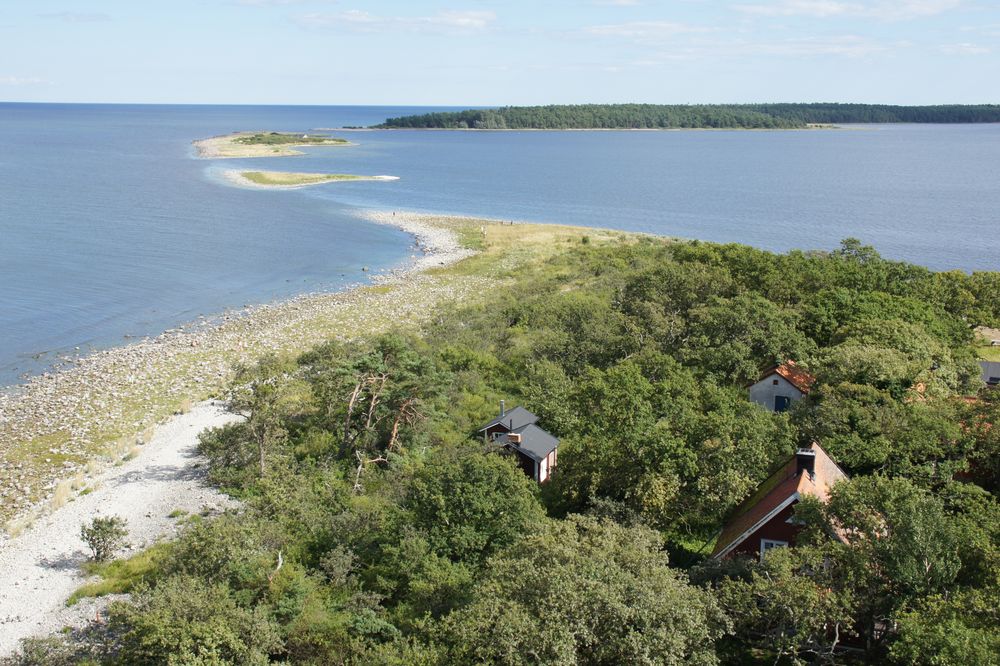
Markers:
point(991, 372)
point(792, 372)
point(783, 488)
point(535, 442)
point(514, 419)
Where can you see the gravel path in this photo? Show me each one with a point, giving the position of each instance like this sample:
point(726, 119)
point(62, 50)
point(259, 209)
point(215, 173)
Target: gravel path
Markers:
point(41, 567)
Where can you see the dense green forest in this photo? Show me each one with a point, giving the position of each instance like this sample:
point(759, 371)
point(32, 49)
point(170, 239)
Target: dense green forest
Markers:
point(377, 528)
point(664, 116)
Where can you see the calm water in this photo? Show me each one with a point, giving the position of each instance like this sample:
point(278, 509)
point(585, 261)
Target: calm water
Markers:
point(109, 228)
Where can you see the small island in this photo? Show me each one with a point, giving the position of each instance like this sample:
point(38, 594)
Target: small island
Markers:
point(286, 180)
point(262, 144)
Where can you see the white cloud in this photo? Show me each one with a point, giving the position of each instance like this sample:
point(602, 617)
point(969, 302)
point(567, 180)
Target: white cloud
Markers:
point(670, 41)
point(273, 3)
point(77, 17)
point(445, 21)
point(850, 46)
point(817, 8)
point(645, 30)
point(964, 48)
point(845, 46)
point(988, 29)
point(886, 10)
point(20, 81)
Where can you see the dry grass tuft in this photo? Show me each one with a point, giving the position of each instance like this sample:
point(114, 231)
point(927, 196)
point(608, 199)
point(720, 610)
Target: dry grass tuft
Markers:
point(119, 448)
point(147, 435)
point(17, 527)
point(61, 495)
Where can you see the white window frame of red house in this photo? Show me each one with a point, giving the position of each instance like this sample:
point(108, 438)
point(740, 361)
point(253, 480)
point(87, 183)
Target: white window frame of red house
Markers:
point(768, 544)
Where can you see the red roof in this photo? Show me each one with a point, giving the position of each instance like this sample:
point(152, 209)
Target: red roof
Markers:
point(782, 488)
point(795, 375)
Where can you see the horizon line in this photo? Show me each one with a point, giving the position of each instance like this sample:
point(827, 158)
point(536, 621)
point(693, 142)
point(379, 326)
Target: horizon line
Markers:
point(486, 105)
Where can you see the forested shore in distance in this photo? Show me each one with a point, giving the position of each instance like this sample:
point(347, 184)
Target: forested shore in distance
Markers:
point(378, 528)
point(692, 116)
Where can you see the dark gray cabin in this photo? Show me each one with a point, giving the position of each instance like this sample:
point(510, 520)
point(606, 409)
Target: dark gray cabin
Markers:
point(517, 432)
point(991, 372)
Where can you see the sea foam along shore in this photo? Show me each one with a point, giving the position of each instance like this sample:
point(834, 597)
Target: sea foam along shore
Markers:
point(152, 492)
point(58, 423)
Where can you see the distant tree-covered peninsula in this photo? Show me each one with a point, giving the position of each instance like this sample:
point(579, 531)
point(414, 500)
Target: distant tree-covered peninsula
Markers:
point(671, 116)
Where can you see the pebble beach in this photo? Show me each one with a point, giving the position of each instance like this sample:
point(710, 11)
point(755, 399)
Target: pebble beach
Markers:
point(60, 426)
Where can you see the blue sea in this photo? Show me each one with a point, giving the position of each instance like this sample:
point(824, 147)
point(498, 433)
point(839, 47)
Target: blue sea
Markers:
point(111, 229)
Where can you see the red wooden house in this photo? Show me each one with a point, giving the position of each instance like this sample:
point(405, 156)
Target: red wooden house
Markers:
point(765, 520)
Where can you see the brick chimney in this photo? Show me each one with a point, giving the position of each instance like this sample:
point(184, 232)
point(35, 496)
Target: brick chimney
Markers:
point(805, 459)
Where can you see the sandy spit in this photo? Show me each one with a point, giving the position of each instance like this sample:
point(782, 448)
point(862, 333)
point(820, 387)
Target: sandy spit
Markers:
point(42, 566)
point(440, 247)
point(236, 177)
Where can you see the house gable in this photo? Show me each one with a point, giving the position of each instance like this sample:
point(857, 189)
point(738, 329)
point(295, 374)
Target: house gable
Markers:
point(769, 391)
point(781, 385)
point(765, 514)
point(779, 526)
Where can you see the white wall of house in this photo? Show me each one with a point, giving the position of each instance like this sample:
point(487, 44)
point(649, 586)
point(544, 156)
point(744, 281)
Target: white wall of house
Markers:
point(774, 385)
point(543, 470)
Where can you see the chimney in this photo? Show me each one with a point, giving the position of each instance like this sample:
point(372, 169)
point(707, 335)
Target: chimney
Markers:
point(805, 459)
point(503, 408)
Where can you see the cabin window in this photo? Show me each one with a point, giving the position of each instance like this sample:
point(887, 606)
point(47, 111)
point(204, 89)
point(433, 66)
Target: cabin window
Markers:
point(768, 544)
point(775, 382)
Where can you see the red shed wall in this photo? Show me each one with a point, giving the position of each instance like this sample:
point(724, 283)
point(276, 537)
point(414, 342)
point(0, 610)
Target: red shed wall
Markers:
point(776, 529)
point(498, 428)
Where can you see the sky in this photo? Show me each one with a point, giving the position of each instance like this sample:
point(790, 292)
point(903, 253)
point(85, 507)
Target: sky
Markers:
point(498, 52)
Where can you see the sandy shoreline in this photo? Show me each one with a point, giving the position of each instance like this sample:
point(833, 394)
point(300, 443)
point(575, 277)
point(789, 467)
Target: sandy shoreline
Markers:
point(57, 423)
point(236, 177)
